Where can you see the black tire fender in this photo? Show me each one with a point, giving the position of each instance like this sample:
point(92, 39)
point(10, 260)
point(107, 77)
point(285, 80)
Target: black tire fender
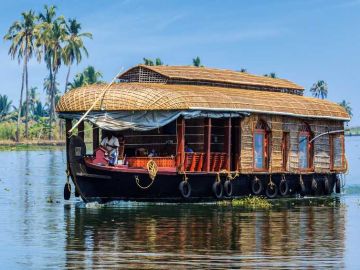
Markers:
point(257, 186)
point(217, 189)
point(284, 188)
point(327, 185)
point(338, 185)
point(185, 189)
point(272, 191)
point(228, 188)
point(314, 186)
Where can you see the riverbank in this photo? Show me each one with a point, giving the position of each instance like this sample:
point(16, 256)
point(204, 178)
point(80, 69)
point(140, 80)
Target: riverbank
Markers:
point(30, 144)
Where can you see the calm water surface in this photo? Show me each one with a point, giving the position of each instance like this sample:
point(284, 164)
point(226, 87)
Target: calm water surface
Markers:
point(36, 233)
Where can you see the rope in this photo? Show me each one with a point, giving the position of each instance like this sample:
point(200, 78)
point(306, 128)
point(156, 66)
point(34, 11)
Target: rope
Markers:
point(271, 183)
point(67, 180)
point(152, 169)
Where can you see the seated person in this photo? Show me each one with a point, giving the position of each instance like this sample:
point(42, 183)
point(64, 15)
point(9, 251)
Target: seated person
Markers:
point(152, 153)
point(188, 149)
point(141, 152)
point(111, 144)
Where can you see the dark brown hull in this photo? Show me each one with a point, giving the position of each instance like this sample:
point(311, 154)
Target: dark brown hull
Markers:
point(104, 186)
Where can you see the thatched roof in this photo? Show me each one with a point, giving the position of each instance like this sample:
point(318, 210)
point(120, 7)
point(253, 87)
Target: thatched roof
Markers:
point(205, 74)
point(156, 96)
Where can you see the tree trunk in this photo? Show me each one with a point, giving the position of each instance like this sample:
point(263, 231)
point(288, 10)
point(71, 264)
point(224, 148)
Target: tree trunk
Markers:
point(20, 106)
point(50, 109)
point(27, 99)
point(67, 79)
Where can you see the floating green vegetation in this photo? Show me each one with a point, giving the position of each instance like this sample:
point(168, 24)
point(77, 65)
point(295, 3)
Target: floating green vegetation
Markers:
point(251, 202)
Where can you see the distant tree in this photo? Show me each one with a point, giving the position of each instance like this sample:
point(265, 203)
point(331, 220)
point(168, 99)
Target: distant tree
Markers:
point(91, 76)
point(271, 75)
point(347, 107)
point(243, 70)
point(319, 89)
point(88, 76)
point(22, 35)
point(158, 62)
point(197, 62)
point(5, 106)
point(150, 62)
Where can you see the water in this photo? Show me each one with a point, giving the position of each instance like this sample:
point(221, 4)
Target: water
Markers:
point(38, 230)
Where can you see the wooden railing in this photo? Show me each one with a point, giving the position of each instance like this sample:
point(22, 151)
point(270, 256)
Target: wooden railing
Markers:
point(195, 162)
point(141, 162)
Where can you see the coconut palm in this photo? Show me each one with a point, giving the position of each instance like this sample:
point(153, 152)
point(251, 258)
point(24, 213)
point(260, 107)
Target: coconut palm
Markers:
point(74, 48)
point(79, 81)
point(347, 107)
point(22, 35)
point(150, 62)
point(91, 76)
point(88, 76)
point(5, 106)
point(271, 75)
point(197, 62)
point(53, 34)
point(319, 89)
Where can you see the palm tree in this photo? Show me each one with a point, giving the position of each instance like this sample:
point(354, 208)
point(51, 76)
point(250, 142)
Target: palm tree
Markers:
point(74, 46)
point(23, 34)
point(148, 62)
point(88, 76)
point(319, 89)
point(91, 76)
point(53, 34)
point(271, 75)
point(79, 81)
point(347, 107)
point(5, 105)
point(197, 62)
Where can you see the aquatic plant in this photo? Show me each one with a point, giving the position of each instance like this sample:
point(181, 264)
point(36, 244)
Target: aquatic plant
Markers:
point(252, 202)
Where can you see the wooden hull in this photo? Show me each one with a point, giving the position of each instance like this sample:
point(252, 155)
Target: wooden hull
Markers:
point(104, 186)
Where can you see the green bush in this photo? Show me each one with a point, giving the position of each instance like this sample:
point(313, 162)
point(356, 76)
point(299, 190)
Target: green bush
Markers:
point(7, 130)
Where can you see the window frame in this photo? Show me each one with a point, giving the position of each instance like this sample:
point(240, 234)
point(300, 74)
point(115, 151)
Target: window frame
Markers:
point(332, 137)
point(308, 151)
point(265, 153)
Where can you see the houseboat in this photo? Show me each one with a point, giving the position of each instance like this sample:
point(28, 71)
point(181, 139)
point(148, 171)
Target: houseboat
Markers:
point(198, 134)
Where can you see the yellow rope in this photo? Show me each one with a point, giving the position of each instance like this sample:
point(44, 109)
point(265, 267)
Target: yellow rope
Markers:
point(152, 169)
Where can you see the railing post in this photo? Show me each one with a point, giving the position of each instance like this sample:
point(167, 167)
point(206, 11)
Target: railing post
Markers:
point(227, 142)
point(207, 144)
point(180, 151)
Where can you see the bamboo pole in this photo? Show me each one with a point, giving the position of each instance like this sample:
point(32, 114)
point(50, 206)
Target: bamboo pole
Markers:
point(101, 96)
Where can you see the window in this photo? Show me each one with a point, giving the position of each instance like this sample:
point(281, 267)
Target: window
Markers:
point(305, 148)
point(261, 148)
point(337, 151)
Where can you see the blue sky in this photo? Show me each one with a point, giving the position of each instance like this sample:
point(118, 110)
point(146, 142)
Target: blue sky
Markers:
point(303, 41)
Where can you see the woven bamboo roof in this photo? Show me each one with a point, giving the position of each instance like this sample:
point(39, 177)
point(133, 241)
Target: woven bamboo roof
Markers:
point(198, 74)
point(157, 96)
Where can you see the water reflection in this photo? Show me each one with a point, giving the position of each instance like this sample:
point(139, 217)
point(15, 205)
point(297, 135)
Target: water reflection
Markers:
point(183, 236)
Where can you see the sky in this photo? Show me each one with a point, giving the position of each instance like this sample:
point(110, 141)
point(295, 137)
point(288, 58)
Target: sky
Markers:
point(302, 41)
